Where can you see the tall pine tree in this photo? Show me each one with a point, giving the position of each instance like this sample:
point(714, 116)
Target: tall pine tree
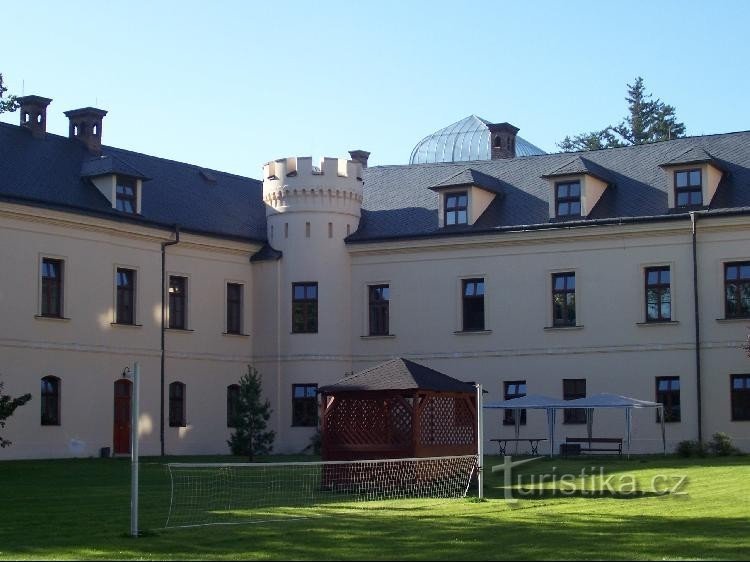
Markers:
point(10, 103)
point(648, 120)
point(251, 436)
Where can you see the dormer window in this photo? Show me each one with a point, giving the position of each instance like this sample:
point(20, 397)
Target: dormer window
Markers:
point(456, 208)
point(125, 194)
point(568, 199)
point(688, 188)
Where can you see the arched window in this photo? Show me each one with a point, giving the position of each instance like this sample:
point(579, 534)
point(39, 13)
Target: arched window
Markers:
point(233, 398)
point(50, 401)
point(498, 143)
point(177, 405)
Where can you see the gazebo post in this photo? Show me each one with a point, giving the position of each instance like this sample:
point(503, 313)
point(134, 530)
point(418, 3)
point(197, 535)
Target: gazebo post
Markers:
point(480, 442)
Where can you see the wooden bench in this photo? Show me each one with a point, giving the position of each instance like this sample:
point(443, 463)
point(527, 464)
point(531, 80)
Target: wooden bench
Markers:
point(597, 444)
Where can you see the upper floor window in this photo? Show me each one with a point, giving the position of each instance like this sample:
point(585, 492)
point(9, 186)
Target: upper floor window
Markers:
point(177, 302)
point(379, 303)
point(658, 294)
point(125, 310)
point(737, 289)
point(305, 405)
point(50, 401)
point(304, 308)
point(233, 399)
point(568, 199)
point(514, 389)
point(572, 390)
point(564, 299)
point(125, 193)
point(668, 394)
point(234, 308)
point(688, 188)
point(740, 397)
point(52, 287)
point(473, 305)
point(456, 208)
point(177, 405)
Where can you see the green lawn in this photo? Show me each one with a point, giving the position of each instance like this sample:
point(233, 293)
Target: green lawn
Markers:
point(73, 509)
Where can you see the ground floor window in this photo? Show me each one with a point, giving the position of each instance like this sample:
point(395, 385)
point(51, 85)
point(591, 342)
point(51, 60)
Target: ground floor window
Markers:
point(50, 401)
point(668, 393)
point(177, 405)
point(572, 390)
point(514, 389)
point(740, 397)
point(305, 405)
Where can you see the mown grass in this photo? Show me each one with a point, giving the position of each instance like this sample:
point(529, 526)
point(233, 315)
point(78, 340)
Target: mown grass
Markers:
point(79, 509)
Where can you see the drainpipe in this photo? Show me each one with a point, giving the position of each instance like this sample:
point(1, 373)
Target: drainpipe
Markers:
point(164, 326)
point(694, 229)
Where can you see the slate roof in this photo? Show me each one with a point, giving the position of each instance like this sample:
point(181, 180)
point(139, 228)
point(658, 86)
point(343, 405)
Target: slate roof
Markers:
point(399, 374)
point(48, 172)
point(470, 176)
point(398, 202)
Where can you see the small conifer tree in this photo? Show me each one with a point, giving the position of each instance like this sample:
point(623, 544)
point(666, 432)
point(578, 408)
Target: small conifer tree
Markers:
point(250, 436)
point(8, 405)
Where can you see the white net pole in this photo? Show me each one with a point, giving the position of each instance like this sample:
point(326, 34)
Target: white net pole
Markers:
point(233, 493)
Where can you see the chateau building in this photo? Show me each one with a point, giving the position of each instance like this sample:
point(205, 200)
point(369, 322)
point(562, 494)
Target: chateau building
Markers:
point(624, 270)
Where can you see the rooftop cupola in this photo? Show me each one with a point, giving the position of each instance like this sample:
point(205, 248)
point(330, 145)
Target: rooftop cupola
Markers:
point(34, 114)
point(360, 156)
point(86, 126)
point(502, 140)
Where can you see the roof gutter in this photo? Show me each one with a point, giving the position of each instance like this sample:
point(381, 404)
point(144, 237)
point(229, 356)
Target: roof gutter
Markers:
point(164, 328)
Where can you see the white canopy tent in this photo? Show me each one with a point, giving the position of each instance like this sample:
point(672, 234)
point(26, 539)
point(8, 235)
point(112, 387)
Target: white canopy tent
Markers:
point(604, 400)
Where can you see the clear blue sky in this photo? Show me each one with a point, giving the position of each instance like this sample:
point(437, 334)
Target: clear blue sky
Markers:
point(230, 85)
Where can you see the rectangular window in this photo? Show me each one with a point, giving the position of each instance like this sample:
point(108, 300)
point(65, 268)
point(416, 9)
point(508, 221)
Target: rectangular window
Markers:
point(233, 399)
point(125, 312)
point(305, 405)
point(379, 300)
point(737, 289)
point(304, 308)
point(658, 294)
point(564, 299)
point(50, 400)
point(687, 188)
point(740, 397)
point(514, 389)
point(177, 302)
point(456, 205)
point(126, 195)
point(572, 390)
point(568, 199)
point(473, 305)
point(177, 405)
point(668, 394)
point(234, 308)
point(52, 287)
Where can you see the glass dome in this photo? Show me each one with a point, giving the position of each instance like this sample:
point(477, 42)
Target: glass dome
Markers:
point(468, 139)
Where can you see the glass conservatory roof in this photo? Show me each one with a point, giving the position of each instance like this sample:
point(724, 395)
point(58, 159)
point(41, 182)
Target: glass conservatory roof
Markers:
point(468, 139)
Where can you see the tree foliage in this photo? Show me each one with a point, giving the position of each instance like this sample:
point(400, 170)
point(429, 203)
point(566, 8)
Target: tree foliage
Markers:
point(10, 103)
point(648, 120)
point(251, 436)
point(8, 405)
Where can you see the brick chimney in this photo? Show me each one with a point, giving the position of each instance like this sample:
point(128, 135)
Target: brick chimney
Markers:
point(360, 156)
point(34, 114)
point(502, 140)
point(86, 126)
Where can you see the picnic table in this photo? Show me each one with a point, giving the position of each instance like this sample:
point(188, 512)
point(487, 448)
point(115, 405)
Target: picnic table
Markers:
point(502, 443)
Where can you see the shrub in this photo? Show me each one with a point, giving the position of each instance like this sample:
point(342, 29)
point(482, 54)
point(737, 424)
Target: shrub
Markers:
point(691, 449)
point(721, 445)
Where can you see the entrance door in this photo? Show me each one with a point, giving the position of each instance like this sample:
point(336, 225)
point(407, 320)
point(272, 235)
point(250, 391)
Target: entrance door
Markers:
point(123, 393)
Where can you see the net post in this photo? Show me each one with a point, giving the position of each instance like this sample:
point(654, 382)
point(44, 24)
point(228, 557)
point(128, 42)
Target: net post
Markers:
point(135, 414)
point(480, 442)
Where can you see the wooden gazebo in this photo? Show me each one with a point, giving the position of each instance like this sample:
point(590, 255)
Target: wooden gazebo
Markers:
point(399, 409)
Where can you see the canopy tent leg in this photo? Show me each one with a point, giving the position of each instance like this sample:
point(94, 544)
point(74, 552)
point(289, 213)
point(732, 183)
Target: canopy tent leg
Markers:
point(628, 422)
point(517, 424)
point(551, 430)
point(589, 423)
point(663, 434)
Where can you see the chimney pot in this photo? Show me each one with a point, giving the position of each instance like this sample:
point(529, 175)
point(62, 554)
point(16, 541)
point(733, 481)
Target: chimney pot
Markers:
point(86, 126)
point(502, 140)
point(34, 114)
point(360, 156)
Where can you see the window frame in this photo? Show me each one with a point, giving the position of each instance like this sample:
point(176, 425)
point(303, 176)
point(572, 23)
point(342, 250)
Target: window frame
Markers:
point(574, 416)
point(566, 306)
point(177, 318)
point(745, 396)
point(740, 282)
point(469, 302)
point(238, 312)
point(455, 210)
point(177, 405)
point(509, 414)
point(688, 189)
point(126, 198)
point(660, 287)
point(47, 399)
point(299, 418)
point(120, 291)
point(58, 288)
point(308, 307)
point(568, 199)
point(378, 310)
point(669, 401)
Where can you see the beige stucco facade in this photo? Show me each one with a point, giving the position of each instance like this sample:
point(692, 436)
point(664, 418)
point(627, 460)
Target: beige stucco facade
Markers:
point(309, 215)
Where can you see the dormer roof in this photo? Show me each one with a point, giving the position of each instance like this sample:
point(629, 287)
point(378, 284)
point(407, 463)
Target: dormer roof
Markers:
point(579, 165)
point(693, 155)
point(108, 165)
point(470, 177)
